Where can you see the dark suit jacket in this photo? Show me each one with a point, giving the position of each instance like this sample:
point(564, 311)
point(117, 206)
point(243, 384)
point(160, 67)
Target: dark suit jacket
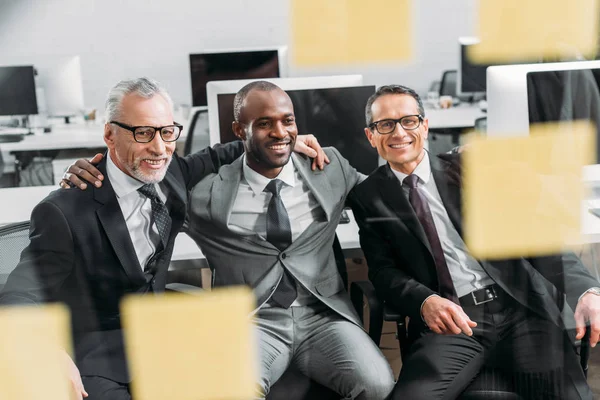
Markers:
point(81, 254)
point(402, 268)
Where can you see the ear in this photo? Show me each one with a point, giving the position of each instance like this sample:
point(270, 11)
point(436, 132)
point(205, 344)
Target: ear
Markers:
point(369, 134)
point(425, 128)
point(109, 136)
point(238, 130)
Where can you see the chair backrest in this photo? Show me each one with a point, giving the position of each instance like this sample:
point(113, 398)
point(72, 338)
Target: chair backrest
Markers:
point(197, 131)
point(13, 239)
point(448, 85)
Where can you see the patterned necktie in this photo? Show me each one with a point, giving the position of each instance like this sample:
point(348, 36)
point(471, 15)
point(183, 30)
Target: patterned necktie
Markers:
point(279, 233)
point(421, 208)
point(160, 214)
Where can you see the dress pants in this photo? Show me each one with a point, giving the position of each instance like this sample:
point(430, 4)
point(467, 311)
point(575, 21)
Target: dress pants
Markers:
point(99, 388)
point(532, 350)
point(325, 347)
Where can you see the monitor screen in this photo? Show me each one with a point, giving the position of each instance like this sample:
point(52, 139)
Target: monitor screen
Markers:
point(334, 115)
point(60, 77)
point(565, 95)
point(232, 65)
point(472, 75)
point(17, 91)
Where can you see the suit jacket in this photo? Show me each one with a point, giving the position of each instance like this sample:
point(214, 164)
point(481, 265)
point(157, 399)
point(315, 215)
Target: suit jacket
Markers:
point(401, 264)
point(250, 260)
point(81, 254)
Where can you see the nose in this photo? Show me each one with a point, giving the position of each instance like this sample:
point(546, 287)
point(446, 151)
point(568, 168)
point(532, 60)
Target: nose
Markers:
point(398, 130)
point(157, 145)
point(279, 131)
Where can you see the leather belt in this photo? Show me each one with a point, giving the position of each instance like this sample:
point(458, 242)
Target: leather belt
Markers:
point(480, 296)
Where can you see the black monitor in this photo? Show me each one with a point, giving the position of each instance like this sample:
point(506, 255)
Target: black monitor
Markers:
point(565, 95)
point(335, 116)
point(257, 64)
point(17, 91)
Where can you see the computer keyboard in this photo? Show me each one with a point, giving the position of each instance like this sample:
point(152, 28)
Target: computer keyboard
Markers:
point(10, 137)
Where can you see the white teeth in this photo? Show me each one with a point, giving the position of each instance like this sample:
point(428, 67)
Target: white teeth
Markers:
point(278, 147)
point(154, 162)
point(400, 146)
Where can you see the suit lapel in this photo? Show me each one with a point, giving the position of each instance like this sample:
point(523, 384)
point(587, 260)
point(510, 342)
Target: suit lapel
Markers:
point(318, 183)
point(177, 197)
point(222, 197)
point(114, 225)
point(392, 193)
point(449, 192)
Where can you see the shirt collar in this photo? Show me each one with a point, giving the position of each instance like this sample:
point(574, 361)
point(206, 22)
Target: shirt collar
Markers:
point(258, 182)
point(122, 183)
point(423, 170)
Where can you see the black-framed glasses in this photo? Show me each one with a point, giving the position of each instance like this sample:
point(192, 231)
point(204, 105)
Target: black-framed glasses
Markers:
point(408, 122)
point(145, 134)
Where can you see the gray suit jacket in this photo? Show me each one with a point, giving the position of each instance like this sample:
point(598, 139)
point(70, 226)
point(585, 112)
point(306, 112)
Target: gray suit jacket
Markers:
point(250, 260)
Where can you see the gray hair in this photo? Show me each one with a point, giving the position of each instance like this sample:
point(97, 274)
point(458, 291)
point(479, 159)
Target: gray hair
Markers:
point(391, 89)
point(144, 87)
point(241, 95)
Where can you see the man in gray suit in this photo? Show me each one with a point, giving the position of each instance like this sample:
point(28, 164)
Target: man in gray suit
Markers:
point(268, 221)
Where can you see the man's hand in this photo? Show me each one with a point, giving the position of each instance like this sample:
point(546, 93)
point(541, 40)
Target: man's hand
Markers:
point(446, 317)
point(74, 377)
point(82, 169)
point(309, 146)
point(588, 310)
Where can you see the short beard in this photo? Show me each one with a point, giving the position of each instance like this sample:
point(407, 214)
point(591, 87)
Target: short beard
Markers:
point(135, 171)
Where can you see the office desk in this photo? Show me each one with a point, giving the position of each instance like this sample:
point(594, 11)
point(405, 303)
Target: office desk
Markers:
point(17, 204)
point(460, 117)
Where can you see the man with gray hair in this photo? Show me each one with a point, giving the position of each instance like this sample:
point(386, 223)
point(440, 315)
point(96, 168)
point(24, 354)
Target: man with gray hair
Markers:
point(91, 247)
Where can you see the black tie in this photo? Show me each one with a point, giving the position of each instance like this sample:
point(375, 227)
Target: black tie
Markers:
point(160, 214)
point(421, 207)
point(279, 233)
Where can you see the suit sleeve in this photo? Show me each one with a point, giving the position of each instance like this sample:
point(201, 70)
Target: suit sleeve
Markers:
point(567, 273)
point(45, 263)
point(352, 176)
point(397, 288)
point(207, 161)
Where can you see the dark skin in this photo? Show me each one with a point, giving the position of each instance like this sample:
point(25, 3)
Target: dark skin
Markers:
point(267, 126)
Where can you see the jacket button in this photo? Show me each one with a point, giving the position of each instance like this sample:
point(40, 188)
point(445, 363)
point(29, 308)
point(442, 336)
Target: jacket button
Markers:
point(283, 255)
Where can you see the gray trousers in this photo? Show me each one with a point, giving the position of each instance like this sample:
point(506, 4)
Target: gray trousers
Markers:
point(325, 347)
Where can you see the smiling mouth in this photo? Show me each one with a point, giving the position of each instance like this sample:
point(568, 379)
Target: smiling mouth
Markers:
point(278, 146)
point(400, 145)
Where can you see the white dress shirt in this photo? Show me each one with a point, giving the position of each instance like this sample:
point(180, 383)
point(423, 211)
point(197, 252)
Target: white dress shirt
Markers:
point(249, 213)
point(466, 272)
point(137, 211)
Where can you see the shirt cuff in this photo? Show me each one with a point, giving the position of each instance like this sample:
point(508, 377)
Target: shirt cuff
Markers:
point(426, 298)
point(584, 293)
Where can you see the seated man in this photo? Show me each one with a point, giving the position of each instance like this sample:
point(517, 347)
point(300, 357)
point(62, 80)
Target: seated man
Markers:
point(463, 312)
point(269, 221)
point(90, 248)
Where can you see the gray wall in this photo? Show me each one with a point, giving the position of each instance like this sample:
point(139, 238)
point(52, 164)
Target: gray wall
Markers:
point(118, 39)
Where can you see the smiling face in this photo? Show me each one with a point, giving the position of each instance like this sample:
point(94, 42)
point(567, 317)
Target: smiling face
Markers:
point(146, 162)
point(403, 149)
point(268, 128)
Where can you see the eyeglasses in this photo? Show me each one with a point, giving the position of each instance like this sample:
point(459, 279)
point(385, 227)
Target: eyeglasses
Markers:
point(408, 122)
point(145, 134)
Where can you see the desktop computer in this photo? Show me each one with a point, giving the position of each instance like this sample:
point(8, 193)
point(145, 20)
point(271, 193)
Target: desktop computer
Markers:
point(17, 91)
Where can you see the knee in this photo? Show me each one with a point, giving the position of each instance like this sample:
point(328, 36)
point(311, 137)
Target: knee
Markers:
point(376, 383)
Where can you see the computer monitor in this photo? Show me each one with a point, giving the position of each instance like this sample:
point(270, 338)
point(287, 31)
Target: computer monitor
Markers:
point(17, 91)
point(234, 64)
point(331, 108)
point(507, 94)
point(60, 78)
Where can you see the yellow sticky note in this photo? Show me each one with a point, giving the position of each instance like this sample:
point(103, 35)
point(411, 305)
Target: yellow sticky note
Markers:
point(523, 195)
point(532, 30)
point(32, 356)
point(182, 346)
point(335, 32)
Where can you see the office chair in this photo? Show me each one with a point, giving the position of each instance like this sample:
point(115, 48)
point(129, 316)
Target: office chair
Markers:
point(293, 385)
point(448, 84)
point(490, 383)
point(13, 239)
point(197, 133)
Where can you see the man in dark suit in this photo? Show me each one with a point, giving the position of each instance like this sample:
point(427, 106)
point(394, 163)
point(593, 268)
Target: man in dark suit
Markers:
point(463, 312)
point(90, 248)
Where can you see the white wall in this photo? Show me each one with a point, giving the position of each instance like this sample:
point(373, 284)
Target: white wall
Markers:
point(119, 39)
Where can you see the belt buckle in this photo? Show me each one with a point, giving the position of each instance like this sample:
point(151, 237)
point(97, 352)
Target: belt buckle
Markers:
point(492, 295)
